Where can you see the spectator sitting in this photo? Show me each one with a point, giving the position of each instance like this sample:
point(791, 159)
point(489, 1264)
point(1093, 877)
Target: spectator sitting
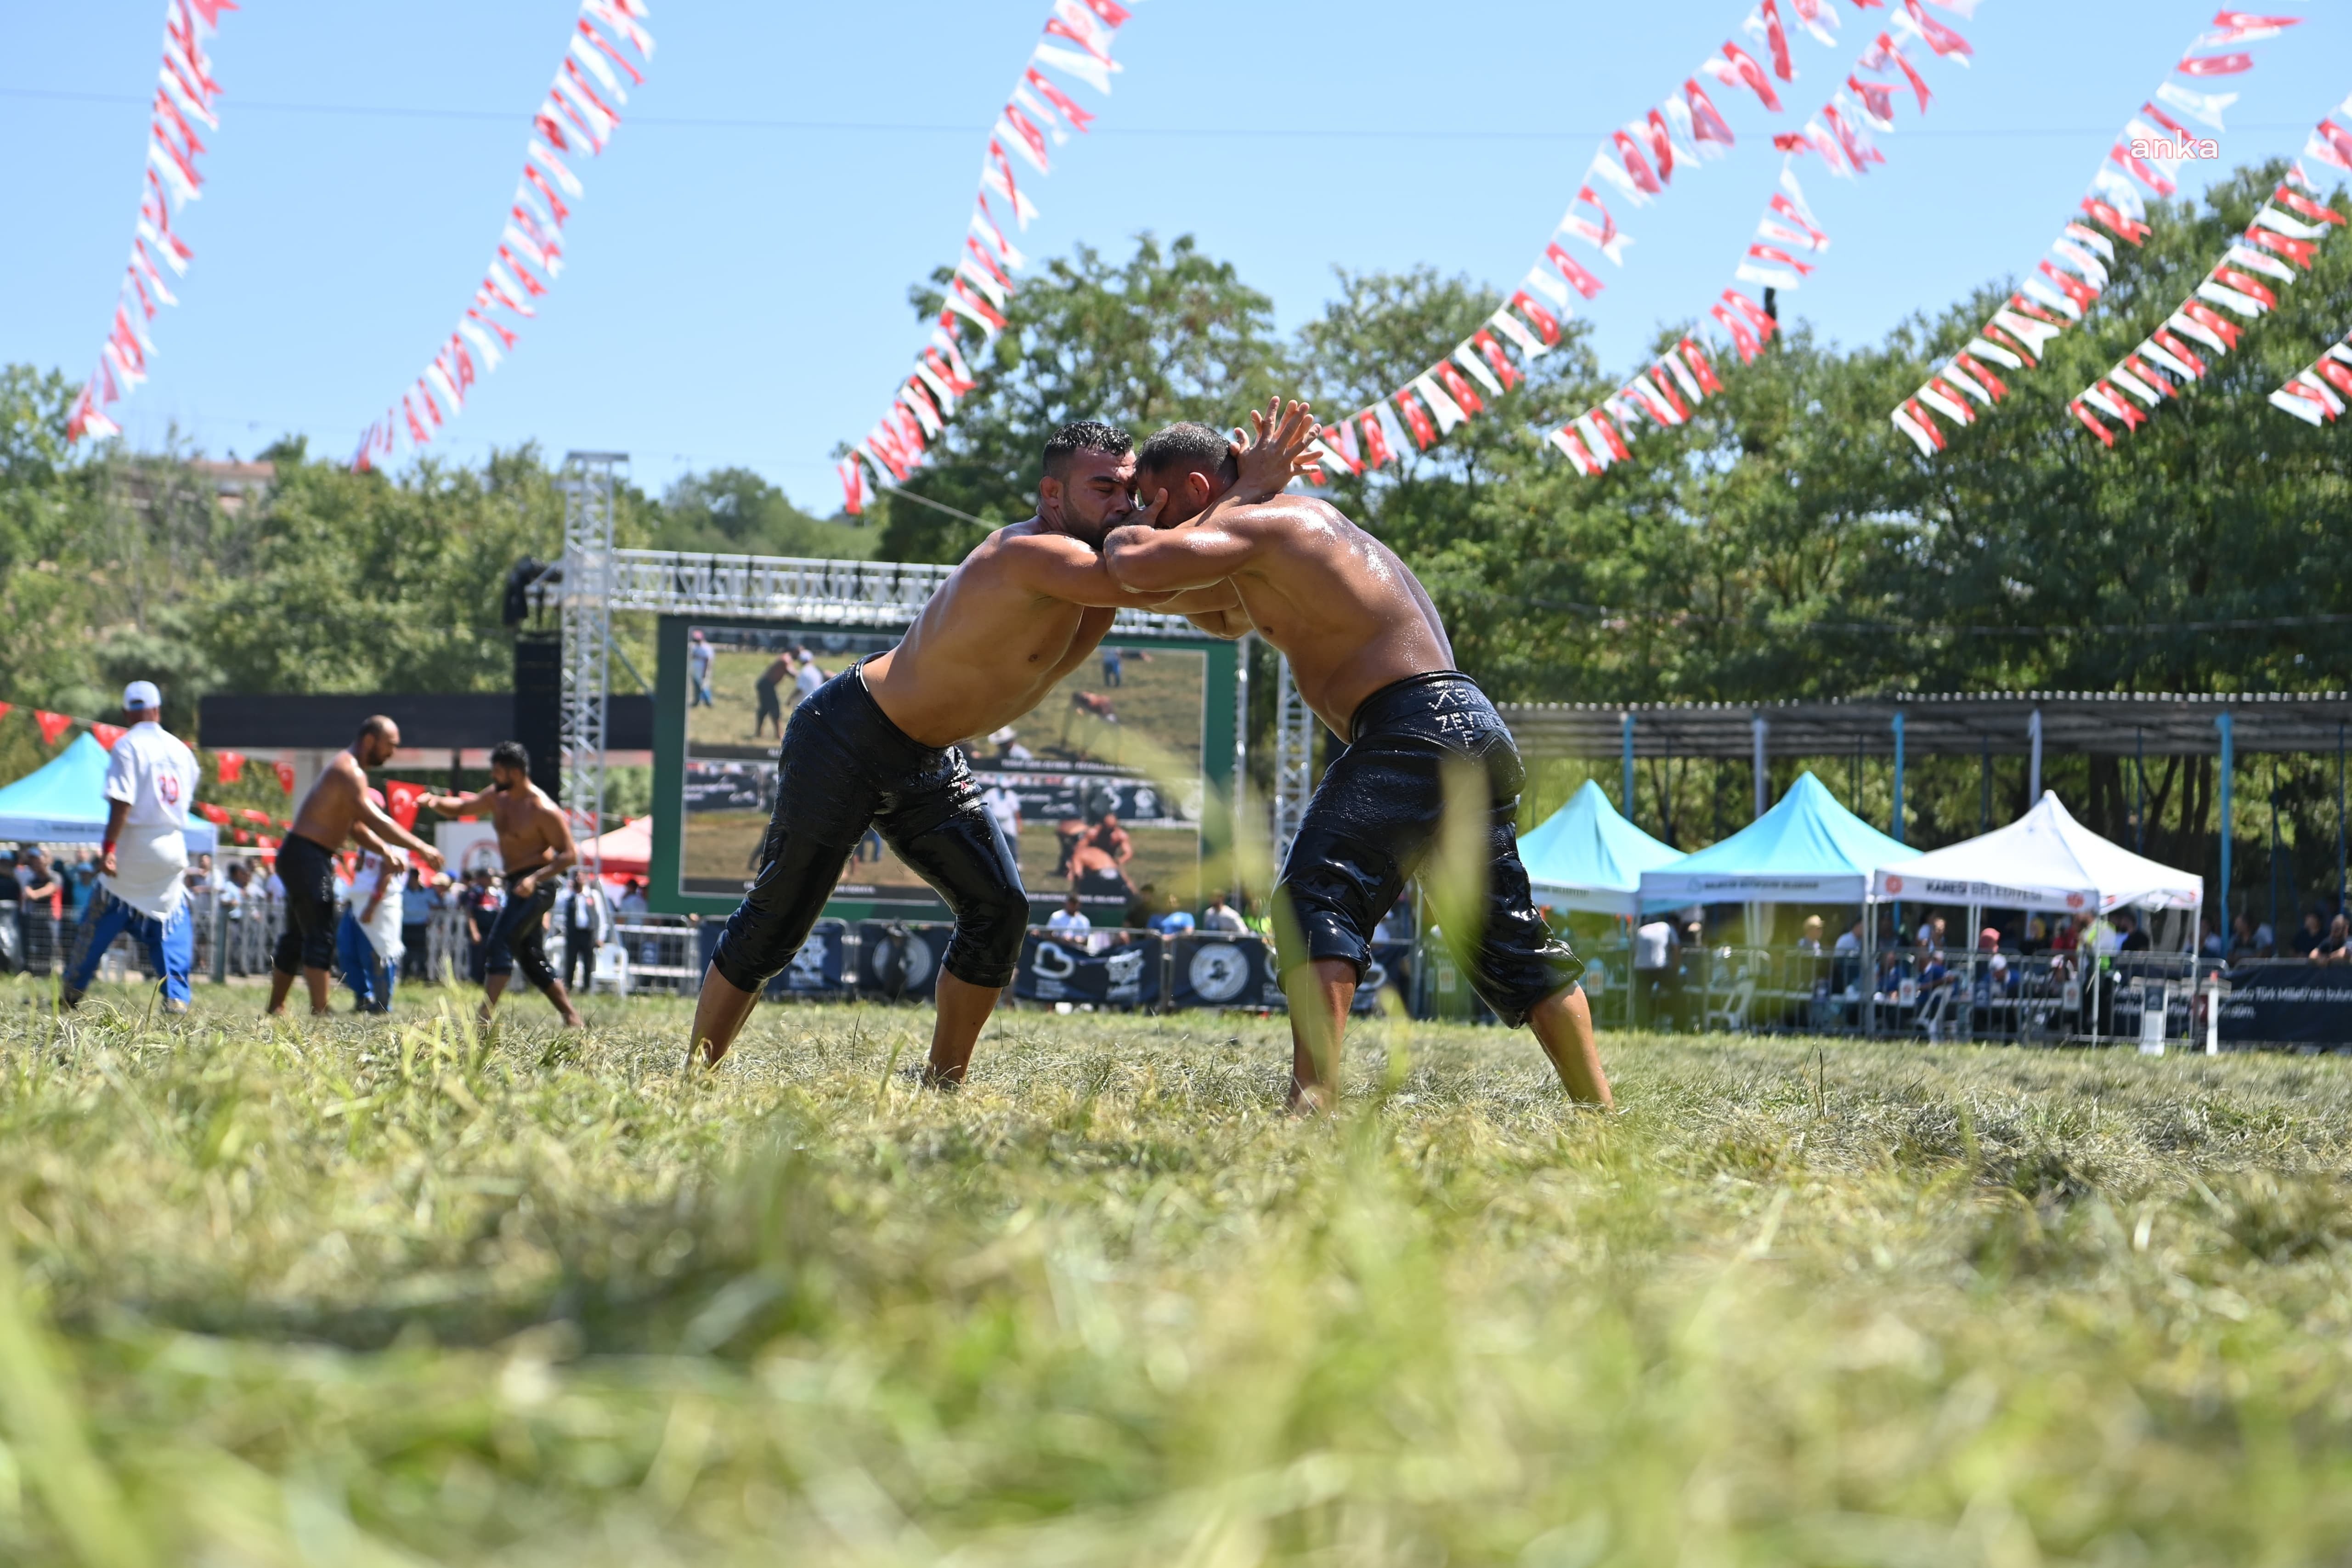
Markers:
point(2133, 938)
point(2306, 942)
point(1069, 921)
point(2265, 942)
point(2336, 947)
point(2242, 938)
point(634, 901)
point(1809, 937)
point(1221, 916)
point(1173, 920)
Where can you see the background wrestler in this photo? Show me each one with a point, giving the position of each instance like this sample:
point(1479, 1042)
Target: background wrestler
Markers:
point(1371, 658)
point(536, 848)
point(337, 808)
point(874, 747)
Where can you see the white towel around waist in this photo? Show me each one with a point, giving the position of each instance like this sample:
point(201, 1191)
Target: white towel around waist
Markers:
point(151, 864)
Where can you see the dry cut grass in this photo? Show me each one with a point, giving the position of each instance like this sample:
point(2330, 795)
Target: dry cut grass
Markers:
point(391, 1292)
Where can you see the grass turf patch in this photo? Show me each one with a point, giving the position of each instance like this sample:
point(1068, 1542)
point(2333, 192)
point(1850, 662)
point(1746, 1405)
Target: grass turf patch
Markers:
point(398, 1291)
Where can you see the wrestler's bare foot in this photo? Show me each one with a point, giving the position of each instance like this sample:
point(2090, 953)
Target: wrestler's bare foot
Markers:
point(963, 1008)
point(719, 1013)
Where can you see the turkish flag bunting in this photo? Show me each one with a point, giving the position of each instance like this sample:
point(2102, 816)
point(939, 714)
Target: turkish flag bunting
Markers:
point(1940, 38)
point(52, 724)
point(1751, 75)
point(2091, 422)
point(231, 765)
point(213, 813)
point(108, 734)
point(286, 777)
point(2214, 65)
point(1775, 38)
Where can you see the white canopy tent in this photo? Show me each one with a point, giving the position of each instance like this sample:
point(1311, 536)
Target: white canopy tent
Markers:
point(2043, 860)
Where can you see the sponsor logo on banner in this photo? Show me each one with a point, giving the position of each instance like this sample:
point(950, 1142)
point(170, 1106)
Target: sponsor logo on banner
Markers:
point(1218, 971)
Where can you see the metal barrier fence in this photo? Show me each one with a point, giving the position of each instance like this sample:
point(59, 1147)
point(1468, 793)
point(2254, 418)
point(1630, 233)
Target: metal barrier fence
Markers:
point(2044, 998)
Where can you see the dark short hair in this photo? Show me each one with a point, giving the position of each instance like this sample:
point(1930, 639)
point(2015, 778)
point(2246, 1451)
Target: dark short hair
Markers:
point(511, 754)
point(1189, 447)
point(1083, 435)
point(378, 725)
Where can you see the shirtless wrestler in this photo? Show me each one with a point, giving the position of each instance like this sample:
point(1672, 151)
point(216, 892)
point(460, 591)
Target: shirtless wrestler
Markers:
point(1371, 658)
point(337, 808)
point(536, 848)
point(874, 746)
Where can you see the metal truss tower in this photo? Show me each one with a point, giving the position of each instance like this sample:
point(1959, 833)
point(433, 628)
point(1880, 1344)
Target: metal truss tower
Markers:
point(1294, 760)
point(588, 483)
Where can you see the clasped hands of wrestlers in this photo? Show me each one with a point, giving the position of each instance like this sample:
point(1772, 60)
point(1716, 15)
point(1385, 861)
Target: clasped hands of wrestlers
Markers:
point(1277, 449)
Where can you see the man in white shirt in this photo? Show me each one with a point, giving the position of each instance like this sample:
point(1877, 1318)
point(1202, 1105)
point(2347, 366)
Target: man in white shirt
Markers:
point(808, 680)
point(1069, 921)
point(151, 778)
point(1221, 916)
point(1003, 803)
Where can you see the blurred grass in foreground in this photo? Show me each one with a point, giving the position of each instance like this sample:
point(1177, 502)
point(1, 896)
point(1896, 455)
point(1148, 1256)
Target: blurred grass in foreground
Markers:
point(383, 1293)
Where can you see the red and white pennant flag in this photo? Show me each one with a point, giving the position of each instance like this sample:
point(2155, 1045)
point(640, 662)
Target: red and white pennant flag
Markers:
point(186, 97)
point(604, 57)
point(1039, 114)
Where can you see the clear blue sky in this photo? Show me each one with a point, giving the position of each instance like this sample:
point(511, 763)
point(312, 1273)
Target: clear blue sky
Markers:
point(736, 292)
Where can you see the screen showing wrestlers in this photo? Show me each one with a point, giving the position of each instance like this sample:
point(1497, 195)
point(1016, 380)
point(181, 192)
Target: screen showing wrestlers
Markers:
point(1099, 788)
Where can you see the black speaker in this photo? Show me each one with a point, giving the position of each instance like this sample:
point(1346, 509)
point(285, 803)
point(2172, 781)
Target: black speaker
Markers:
point(538, 706)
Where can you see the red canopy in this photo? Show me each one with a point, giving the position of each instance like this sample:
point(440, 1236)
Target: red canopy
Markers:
point(628, 849)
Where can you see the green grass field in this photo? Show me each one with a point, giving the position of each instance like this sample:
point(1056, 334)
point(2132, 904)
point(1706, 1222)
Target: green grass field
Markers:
point(387, 1293)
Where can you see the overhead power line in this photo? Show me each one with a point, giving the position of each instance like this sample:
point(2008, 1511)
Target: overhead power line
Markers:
point(976, 128)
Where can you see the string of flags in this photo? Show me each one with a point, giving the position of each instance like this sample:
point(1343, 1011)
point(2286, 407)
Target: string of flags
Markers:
point(2286, 233)
point(2066, 283)
point(1479, 371)
point(229, 765)
point(186, 96)
point(2317, 393)
point(1038, 115)
point(605, 55)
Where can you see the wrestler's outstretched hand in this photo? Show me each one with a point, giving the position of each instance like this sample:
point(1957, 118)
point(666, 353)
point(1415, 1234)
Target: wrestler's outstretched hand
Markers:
point(1275, 450)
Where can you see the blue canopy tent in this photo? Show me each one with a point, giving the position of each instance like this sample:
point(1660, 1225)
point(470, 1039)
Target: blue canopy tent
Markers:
point(1585, 857)
point(1808, 849)
point(64, 802)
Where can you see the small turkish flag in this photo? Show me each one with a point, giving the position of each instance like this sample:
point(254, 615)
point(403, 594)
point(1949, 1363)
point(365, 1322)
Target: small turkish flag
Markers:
point(231, 765)
point(108, 734)
point(52, 724)
point(404, 797)
point(286, 777)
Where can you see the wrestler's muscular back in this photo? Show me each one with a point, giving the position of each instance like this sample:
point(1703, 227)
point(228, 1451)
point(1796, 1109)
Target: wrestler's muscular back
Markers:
point(1338, 604)
point(985, 650)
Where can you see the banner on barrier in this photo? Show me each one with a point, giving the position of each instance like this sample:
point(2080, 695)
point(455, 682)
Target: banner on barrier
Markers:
point(1126, 974)
point(2289, 1005)
point(900, 962)
point(819, 970)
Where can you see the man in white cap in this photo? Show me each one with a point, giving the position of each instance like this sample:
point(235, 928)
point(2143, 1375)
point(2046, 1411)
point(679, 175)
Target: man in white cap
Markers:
point(151, 778)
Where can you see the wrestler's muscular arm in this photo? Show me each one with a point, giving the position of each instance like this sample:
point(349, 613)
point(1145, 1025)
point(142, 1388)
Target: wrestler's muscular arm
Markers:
point(387, 831)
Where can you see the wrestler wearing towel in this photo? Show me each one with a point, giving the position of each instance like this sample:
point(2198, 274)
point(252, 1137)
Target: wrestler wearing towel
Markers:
point(150, 777)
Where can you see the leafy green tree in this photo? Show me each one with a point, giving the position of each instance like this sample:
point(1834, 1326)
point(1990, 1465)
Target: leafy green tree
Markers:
point(1166, 335)
point(735, 511)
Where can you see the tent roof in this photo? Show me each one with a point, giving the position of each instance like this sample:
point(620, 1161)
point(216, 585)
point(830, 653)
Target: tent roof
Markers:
point(628, 849)
point(1807, 849)
point(1587, 857)
point(64, 802)
point(2043, 860)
